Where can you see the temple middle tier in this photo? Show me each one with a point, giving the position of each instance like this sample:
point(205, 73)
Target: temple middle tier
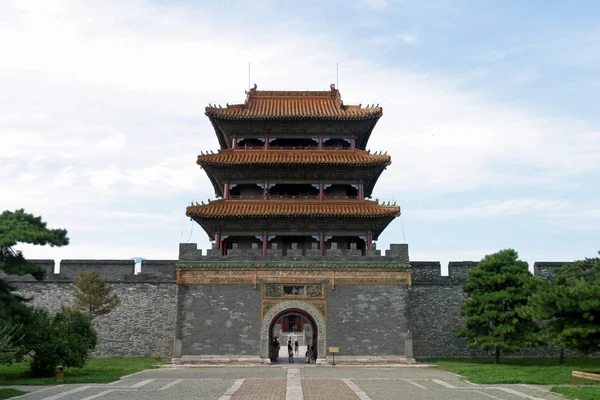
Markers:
point(297, 173)
point(308, 228)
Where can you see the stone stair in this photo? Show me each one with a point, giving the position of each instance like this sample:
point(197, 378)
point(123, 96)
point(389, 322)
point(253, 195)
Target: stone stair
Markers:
point(370, 360)
point(218, 360)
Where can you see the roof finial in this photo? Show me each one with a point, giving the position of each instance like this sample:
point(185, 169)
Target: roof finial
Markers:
point(252, 90)
point(332, 87)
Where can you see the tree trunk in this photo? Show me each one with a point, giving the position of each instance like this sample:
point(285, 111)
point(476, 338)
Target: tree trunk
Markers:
point(497, 356)
point(561, 358)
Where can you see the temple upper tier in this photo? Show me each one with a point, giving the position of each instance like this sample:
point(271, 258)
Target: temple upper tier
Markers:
point(275, 109)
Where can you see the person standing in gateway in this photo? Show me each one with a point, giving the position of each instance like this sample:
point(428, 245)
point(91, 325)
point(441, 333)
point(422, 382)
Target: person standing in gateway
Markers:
point(275, 349)
point(296, 347)
point(290, 352)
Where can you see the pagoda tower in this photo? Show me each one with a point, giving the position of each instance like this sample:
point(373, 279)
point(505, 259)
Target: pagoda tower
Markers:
point(293, 176)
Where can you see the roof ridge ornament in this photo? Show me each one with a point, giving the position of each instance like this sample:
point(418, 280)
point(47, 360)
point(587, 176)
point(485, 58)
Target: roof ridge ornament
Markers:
point(253, 90)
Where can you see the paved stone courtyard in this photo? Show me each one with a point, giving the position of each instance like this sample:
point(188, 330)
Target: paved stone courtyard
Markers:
point(291, 382)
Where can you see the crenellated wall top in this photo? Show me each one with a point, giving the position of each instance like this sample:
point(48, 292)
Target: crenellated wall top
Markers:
point(423, 273)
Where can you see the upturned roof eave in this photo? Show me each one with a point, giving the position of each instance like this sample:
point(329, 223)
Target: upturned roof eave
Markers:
point(260, 208)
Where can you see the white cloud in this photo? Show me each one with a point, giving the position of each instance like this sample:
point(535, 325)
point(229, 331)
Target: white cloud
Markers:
point(105, 110)
point(557, 212)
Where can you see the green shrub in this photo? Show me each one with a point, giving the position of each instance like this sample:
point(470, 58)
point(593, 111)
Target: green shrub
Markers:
point(10, 350)
point(64, 339)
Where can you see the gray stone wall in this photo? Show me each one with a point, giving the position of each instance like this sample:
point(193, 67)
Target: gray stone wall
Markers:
point(219, 320)
point(435, 301)
point(144, 323)
point(434, 317)
point(367, 320)
point(225, 319)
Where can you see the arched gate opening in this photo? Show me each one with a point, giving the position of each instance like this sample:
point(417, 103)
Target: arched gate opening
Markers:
point(276, 323)
point(292, 327)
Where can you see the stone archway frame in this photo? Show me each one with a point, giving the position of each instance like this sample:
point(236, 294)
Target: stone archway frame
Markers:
point(293, 305)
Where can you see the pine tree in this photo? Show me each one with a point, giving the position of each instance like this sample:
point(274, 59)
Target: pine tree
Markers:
point(498, 287)
point(93, 296)
point(569, 305)
point(20, 227)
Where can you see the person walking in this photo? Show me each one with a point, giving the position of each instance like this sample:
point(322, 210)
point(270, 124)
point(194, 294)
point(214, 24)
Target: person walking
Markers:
point(290, 353)
point(296, 347)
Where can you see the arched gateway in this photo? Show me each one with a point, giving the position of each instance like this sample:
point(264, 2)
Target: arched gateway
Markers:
point(287, 306)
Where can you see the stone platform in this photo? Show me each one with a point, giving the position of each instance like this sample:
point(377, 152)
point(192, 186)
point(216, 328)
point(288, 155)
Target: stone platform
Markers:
point(214, 359)
point(370, 360)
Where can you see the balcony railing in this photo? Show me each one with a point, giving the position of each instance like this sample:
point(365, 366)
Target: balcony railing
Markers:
point(290, 197)
point(301, 196)
point(298, 147)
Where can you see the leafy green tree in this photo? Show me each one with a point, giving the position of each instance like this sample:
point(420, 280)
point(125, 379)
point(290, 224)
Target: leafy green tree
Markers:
point(93, 295)
point(20, 227)
point(65, 338)
point(569, 305)
point(9, 350)
point(498, 287)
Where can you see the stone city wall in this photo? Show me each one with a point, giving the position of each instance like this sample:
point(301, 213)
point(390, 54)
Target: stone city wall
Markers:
point(144, 323)
point(368, 320)
point(435, 301)
point(225, 319)
point(218, 320)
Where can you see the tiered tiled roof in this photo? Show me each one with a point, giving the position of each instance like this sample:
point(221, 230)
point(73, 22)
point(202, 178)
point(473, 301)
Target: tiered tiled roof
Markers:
point(262, 105)
point(355, 158)
point(288, 208)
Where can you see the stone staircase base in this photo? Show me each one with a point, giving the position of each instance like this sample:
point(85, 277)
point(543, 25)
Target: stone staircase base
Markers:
point(214, 360)
point(219, 360)
point(370, 360)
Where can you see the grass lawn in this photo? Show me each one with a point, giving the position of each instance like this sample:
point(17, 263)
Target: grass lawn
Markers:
point(581, 393)
point(8, 393)
point(542, 371)
point(97, 370)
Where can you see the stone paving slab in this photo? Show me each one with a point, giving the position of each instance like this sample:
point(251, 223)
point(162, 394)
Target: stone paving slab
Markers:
point(261, 389)
point(327, 389)
point(210, 373)
point(268, 383)
point(393, 373)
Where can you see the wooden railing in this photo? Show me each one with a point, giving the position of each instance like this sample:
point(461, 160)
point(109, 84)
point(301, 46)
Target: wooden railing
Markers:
point(290, 197)
point(299, 147)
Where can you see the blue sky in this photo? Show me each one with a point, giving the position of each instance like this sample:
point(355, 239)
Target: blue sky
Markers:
point(490, 115)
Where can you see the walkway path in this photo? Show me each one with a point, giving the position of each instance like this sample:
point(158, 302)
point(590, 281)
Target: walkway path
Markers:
point(292, 382)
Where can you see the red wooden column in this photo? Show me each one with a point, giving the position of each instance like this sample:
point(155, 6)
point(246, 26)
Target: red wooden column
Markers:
point(218, 240)
point(352, 144)
point(266, 146)
point(320, 147)
point(369, 240)
point(265, 244)
point(226, 191)
point(321, 192)
point(322, 243)
point(361, 191)
point(234, 143)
